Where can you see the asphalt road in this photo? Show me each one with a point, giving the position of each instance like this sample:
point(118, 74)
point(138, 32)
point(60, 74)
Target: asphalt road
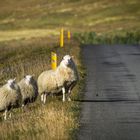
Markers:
point(111, 104)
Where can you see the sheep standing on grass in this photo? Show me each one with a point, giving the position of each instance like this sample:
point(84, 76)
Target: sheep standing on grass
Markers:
point(29, 89)
point(10, 96)
point(63, 79)
point(73, 76)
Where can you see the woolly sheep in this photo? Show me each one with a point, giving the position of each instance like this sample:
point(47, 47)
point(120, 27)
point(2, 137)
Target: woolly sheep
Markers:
point(29, 89)
point(63, 79)
point(10, 96)
point(73, 76)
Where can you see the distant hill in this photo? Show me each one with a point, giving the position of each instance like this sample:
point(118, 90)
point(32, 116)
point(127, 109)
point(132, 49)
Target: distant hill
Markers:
point(80, 15)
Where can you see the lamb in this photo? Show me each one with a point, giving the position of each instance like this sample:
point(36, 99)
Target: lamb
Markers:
point(63, 79)
point(29, 89)
point(10, 96)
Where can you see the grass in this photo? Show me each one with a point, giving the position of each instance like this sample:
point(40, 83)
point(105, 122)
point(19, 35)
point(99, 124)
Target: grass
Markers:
point(26, 34)
point(79, 15)
point(55, 120)
point(121, 38)
point(39, 18)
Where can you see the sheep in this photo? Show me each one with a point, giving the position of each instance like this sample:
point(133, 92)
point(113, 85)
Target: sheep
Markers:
point(73, 76)
point(10, 97)
point(29, 89)
point(63, 79)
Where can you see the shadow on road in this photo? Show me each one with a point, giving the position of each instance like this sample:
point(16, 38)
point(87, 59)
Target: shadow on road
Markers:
point(110, 100)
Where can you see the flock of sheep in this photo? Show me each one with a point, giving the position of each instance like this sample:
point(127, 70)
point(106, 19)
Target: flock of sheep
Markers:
point(62, 80)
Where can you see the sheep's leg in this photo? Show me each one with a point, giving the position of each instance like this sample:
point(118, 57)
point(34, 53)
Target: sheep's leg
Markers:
point(69, 93)
point(45, 98)
point(5, 114)
point(22, 107)
point(42, 97)
point(52, 95)
point(64, 97)
point(10, 115)
point(23, 104)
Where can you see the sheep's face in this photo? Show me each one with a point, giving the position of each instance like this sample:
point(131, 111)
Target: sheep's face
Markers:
point(11, 83)
point(67, 57)
point(67, 60)
point(28, 78)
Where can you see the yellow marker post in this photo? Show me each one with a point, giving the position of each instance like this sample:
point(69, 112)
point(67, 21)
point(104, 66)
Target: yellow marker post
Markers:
point(53, 60)
point(62, 38)
point(69, 34)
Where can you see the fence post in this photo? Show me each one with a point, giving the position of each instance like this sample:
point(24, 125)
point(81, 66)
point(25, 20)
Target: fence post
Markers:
point(53, 60)
point(62, 38)
point(69, 34)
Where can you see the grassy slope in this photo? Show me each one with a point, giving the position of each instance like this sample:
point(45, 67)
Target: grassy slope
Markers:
point(97, 15)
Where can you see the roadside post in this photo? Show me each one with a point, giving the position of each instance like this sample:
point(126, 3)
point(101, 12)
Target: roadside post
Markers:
point(53, 60)
point(69, 35)
point(62, 37)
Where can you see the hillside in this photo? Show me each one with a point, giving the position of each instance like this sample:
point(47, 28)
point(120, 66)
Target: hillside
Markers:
point(96, 15)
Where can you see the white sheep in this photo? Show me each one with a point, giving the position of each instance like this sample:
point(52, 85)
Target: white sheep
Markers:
point(73, 76)
point(10, 96)
point(29, 89)
point(63, 79)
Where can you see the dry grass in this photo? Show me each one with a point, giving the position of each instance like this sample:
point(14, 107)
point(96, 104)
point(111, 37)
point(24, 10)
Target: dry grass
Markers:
point(51, 121)
point(55, 120)
point(26, 34)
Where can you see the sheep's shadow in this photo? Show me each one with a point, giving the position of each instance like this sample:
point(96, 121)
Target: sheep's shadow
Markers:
point(106, 100)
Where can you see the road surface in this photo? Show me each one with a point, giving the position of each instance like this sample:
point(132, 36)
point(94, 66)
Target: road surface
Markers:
point(111, 104)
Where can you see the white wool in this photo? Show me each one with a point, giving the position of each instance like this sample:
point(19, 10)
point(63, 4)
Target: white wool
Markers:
point(10, 84)
point(29, 89)
point(52, 81)
point(28, 79)
point(9, 95)
point(67, 57)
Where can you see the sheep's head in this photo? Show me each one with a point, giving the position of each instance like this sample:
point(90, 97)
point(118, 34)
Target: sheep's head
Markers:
point(67, 57)
point(28, 78)
point(11, 83)
point(66, 61)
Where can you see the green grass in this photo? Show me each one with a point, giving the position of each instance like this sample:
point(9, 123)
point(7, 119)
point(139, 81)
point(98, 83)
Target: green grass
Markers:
point(132, 38)
point(98, 16)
